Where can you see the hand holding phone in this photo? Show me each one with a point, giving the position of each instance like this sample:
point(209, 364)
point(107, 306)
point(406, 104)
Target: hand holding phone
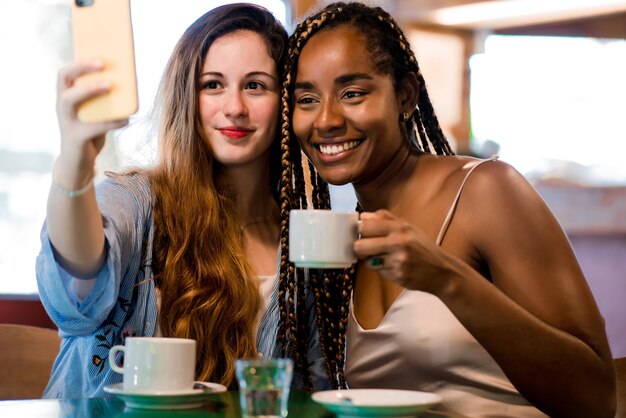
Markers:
point(102, 30)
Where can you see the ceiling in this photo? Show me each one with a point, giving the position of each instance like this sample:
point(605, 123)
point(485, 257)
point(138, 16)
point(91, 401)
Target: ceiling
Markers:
point(499, 14)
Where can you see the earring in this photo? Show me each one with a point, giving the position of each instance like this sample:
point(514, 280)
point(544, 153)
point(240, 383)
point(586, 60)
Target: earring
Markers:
point(404, 117)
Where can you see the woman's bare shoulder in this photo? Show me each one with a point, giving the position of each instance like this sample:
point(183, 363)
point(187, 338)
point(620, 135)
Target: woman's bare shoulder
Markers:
point(498, 179)
point(494, 195)
point(451, 170)
point(498, 203)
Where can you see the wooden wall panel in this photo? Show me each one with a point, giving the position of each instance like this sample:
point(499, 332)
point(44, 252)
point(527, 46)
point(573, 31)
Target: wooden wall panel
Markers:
point(612, 26)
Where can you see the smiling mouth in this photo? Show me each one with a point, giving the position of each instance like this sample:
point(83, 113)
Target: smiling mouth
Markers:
point(335, 149)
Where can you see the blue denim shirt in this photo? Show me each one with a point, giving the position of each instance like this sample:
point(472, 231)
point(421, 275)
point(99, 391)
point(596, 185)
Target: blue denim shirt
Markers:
point(123, 302)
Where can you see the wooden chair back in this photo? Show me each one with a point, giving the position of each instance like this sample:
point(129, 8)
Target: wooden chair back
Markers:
point(26, 357)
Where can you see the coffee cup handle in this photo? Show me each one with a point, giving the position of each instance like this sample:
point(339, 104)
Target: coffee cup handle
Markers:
point(112, 352)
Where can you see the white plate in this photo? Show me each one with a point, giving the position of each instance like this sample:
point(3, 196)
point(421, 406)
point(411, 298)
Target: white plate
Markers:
point(184, 399)
point(376, 402)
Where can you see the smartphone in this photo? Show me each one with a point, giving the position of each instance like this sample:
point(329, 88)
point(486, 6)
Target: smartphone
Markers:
point(102, 30)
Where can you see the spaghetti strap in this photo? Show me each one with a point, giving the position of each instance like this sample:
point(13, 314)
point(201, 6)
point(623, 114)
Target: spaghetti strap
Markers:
point(446, 222)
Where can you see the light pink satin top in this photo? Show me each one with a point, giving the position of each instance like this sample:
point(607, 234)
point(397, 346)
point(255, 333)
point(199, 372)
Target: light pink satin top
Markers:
point(420, 345)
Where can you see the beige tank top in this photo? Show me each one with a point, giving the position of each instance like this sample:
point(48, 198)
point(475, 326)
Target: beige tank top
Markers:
point(420, 345)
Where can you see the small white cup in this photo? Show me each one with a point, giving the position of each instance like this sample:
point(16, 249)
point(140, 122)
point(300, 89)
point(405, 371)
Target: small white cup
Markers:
point(322, 238)
point(154, 364)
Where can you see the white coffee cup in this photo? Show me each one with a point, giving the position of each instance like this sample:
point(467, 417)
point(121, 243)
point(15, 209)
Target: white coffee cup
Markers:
point(322, 238)
point(153, 364)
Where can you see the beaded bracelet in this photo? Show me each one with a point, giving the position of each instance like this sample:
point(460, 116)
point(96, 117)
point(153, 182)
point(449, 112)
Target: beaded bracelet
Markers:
point(72, 193)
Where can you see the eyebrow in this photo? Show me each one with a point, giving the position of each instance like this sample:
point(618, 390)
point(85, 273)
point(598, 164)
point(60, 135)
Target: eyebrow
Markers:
point(303, 85)
point(348, 78)
point(250, 74)
point(342, 79)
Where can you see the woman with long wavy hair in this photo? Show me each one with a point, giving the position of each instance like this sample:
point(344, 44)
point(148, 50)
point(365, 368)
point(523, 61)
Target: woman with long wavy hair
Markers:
point(190, 247)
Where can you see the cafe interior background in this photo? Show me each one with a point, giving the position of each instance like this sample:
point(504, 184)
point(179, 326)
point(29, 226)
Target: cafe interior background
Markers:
point(540, 82)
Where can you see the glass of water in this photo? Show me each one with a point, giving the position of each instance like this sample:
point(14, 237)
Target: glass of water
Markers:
point(264, 386)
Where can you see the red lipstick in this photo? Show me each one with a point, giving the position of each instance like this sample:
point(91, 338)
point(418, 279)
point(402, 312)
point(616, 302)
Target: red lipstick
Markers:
point(235, 132)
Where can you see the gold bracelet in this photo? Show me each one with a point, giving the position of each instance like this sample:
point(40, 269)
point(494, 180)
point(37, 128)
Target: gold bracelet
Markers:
point(72, 193)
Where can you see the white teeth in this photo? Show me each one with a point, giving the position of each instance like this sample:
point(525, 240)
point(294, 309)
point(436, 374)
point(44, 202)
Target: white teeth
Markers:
point(338, 148)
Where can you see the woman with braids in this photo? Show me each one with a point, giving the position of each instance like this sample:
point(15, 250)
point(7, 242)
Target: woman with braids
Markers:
point(466, 285)
point(190, 247)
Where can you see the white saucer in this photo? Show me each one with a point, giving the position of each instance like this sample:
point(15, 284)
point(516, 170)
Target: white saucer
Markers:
point(184, 399)
point(376, 402)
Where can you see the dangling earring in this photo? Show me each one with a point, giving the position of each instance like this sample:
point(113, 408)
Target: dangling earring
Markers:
point(409, 133)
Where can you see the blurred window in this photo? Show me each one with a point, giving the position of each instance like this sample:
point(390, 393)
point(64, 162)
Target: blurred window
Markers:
point(555, 105)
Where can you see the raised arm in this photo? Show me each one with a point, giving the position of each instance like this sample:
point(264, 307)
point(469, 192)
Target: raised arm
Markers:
point(73, 219)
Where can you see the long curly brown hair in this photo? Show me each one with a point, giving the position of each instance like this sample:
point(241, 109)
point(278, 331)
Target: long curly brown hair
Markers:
point(391, 53)
point(207, 287)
